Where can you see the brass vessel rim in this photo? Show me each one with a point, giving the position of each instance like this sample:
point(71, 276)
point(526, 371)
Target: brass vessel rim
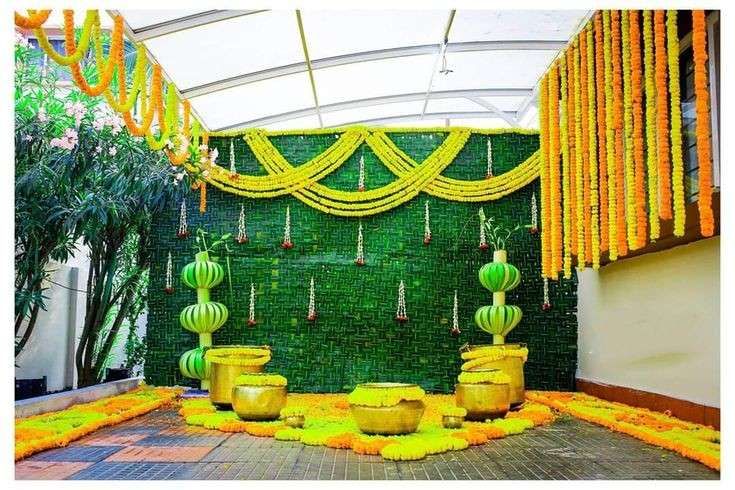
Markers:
point(511, 346)
point(387, 385)
point(215, 347)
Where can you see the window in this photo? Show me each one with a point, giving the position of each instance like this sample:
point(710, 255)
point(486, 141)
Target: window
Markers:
point(62, 72)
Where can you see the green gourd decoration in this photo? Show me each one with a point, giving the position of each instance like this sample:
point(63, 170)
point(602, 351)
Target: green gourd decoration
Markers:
point(205, 317)
point(499, 277)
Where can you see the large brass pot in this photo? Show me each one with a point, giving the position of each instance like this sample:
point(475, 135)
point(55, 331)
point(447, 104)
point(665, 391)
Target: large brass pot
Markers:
point(484, 400)
point(402, 418)
point(223, 378)
point(510, 365)
point(258, 402)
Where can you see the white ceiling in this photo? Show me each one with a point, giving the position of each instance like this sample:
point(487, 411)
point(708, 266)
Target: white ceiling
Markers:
point(247, 68)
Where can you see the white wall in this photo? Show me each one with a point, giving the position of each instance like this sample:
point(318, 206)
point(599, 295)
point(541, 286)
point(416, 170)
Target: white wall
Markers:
point(653, 323)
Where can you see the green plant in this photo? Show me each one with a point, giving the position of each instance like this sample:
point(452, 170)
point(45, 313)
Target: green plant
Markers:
point(216, 247)
point(498, 234)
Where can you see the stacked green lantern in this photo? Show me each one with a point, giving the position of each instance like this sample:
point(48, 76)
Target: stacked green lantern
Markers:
point(204, 317)
point(498, 276)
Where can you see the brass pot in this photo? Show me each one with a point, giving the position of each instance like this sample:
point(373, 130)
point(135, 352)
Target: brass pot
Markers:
point(402, 418)
point(223, 377)
point(510, 365)
point(483, 400)
point(452, 422)
point(258, 402)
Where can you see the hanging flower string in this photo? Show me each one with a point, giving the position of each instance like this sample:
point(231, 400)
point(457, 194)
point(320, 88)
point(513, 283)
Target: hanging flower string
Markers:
point(242, 234)
point(233, 168)
point(534, 215)
point(489, 172)
point(169, 275)
point(427, 226)
point(311, 316)
point(401, 315)
point(546, 306)
point(287, 244)
point(360, 259)
point(455, 331)
point(361, 177)
point(483, 238)
point(183, 227)
point(251, 311)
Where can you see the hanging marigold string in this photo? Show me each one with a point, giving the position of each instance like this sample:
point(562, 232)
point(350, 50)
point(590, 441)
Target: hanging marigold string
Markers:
point(545, 191)
point(636, 74)
point(593, 166)
point(570, 218)
point(651, 122)
point(554, 181)
point(584, 75)
point(35, 19)
point(677, 159)
point(600, 93)
point(662, 111)
point(564, 125)
point(578, 160)
point(628, 162)
point(704, 149)
point(74, 53)
point(610, 139)
point(104, 72)
point(618, 123)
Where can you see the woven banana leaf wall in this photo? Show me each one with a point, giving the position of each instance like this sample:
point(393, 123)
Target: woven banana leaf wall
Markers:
point(356, 337)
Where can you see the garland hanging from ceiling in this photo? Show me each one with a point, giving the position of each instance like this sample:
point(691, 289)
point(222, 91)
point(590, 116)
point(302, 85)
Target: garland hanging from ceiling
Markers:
point(610, 172)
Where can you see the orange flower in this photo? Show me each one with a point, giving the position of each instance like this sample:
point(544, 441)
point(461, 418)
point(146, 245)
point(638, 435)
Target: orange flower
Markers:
point(370, 446)
point(105, 75)
point(473, 437)
point(554, 180)
point(149, 107)
point(601, 130)
point(618, 126)
point(34, 20)
point(662, 97)
point(584, 110)
point(341, 441)
point(571, 141)
point(544, 177)
point(263, 430)
point(704, 150)
point(636, 78)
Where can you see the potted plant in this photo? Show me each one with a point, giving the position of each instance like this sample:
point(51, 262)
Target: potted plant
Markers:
point(259, 396)
point(485, 394)
point(452, 416)
point(294, 416)
point(387, 408)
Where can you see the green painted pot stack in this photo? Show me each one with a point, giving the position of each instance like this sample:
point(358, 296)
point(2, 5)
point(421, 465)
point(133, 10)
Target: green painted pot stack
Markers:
point(498, 276)
point(204, 317)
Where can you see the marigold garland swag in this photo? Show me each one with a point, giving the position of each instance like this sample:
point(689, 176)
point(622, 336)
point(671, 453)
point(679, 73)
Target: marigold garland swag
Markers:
point(611, 139)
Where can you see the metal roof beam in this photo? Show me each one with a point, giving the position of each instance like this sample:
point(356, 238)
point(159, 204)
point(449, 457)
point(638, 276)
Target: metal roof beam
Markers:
point(388, 99)
point(189, 22)
point(494, 110)
point(380, 54)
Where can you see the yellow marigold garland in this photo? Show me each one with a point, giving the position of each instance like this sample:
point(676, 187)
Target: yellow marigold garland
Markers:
point(371, 396)
point(565, 165)
point(628, 161)
point(104, 73)
point(610, 139)
point(238, 356)
point(545, 199)
point(571, 126)
point(618, 123)
point(578, 173)
point(636, 75)
point(662, 127)
point(554, 181)
point(592, 157)
point(494, 376)
point(74, 52)
point(704, 149)
point(260, 379)
point(677, 160)
point(584, 74)
point(651, 122)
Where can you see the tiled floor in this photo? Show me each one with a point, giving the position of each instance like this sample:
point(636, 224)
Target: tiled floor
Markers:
point(160, 446)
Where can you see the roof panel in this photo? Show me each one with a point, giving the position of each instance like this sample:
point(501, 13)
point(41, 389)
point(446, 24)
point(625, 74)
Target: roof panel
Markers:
point(255, 100)
point(338, 32)
point(349, 116)
point(504, 25)
point(229, 48)
point(138, 19)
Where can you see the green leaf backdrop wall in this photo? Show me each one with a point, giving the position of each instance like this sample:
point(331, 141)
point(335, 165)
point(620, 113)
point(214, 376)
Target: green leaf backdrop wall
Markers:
point(356, 337)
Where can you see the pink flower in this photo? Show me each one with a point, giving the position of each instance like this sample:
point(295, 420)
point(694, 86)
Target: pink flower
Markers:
point(41, 115)
point(113, 151)
point(68, 141)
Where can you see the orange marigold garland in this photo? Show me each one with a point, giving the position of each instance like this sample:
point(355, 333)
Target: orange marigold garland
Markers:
point(585, 125)
point(34, 20)
point(554, 181)
point(592, 158)
point(544, 177)
point(638, 154)
point(104, 74)
point(601, 129)
point(628, 161)
point(677, 159)
point(651, 140)
point(662, 110)
point(578, 159)
point(148, 106)
point(704, 149)
point(565, 165)
point(620, 226)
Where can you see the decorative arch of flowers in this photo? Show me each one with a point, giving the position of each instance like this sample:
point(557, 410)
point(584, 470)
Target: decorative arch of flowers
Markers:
point(611, 139)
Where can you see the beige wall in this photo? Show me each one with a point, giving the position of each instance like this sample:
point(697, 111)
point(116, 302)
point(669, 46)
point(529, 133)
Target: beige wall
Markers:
point(653, 323)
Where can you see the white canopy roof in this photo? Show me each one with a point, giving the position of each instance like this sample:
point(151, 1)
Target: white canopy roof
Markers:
point(248, 68)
